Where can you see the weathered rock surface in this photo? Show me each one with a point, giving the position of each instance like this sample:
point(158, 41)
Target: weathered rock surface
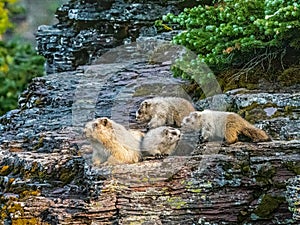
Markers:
point(45, 172)
point(87, 29)
point(46, 176)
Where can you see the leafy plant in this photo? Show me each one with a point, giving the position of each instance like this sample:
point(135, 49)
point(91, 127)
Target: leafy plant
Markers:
point(231, 33)
point(4, 15)
point(19, 62)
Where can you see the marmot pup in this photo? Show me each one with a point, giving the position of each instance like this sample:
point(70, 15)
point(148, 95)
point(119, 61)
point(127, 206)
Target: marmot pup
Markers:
point(160, 141)
point(219, 125)
point(164, 111)
point(112, 142)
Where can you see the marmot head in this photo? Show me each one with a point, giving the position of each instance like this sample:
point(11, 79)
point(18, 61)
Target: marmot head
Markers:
point(97, 127)
point(144, 112)
point(192, 121)
point(170, 135)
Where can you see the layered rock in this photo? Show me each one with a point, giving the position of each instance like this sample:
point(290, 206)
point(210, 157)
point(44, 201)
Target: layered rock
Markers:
point(87, 29)
point(47, 177)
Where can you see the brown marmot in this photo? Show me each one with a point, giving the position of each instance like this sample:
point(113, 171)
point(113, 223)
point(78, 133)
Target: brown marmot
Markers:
point(112, 142)
point(160, 141)
point(164, 111)
point(219, 125)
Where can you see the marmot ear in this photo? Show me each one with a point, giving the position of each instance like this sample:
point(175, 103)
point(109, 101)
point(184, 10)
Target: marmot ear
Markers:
point(104, 121)
point(196, 115)
point(146, 104)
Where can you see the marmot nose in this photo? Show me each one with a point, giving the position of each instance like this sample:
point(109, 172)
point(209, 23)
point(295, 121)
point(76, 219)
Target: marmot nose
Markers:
point(84, 133)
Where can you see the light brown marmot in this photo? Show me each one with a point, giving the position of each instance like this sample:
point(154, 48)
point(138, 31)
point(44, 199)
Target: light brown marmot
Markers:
point(112, 142)
point(164, 111)
point(222, 125)
point(160, 141)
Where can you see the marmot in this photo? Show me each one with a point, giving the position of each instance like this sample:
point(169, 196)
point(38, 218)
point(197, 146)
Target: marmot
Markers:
point(113, 142)
point(220, 125)
point(164, 111)
point(160, 141)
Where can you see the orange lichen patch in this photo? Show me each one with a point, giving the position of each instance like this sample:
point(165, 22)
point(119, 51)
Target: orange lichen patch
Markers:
point(30, 193)
point(27, 221)
point(4, 170)
point(11, 180)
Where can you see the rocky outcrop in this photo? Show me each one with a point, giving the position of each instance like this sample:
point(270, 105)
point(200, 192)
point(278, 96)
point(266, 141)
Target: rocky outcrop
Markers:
point(46, 176)
point(87, 29)
point(244, 183)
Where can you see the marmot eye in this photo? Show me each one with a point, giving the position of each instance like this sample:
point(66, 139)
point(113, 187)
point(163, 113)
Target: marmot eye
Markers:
point(94, 125)
point(187, 120)
point(146, 104)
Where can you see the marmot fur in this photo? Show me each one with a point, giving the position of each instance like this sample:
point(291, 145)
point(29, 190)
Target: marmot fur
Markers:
point(112, 142)
point(220, 125)
point(160, 141)
point(163, 111)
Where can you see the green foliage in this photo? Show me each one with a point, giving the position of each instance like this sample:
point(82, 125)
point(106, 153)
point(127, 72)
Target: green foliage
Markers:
point(19, 62)
point(5, 6)
point(232, 32)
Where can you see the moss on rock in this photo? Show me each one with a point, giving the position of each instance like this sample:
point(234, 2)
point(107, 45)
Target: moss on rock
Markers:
point(290, 76)
point(268, 205)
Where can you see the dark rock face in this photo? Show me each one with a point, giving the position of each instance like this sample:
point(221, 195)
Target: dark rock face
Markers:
point(87, 29)
point(46, 176)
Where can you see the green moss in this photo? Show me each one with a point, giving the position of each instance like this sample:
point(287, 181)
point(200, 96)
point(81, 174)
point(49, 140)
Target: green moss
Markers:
point(38, 102)
point(245, 169)
point(265, 175)
point(67, 176)
point(290, 76)
point(255, 112)
point(197, 190)
point(39, 144)
point(293, 166)
point(230, 79)
point(176, 202)
point(268, 205)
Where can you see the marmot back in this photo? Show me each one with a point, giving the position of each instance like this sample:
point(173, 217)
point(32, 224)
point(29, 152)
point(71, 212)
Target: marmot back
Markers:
point(222, 125)
point(161, 111)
